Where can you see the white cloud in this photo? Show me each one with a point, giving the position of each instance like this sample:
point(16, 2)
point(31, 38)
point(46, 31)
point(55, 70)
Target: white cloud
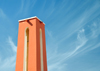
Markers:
point(11, 43)
point(49, 33)
point(4, 17)
point(21, 8)
point(81, 43)
point(2, 14)
point(25, 7)
point(8, 63)
point(57, 59)
point(95, 28)
point(94, 47)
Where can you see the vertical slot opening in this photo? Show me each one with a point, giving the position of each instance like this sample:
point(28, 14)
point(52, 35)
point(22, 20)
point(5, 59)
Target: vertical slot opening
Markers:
point(26, 45)
point(41, 50)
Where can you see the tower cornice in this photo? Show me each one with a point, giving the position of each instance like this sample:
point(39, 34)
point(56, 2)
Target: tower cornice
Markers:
point(35, 17)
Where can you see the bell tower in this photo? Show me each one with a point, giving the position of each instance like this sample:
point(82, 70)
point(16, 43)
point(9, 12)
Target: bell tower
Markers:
point(31, 46)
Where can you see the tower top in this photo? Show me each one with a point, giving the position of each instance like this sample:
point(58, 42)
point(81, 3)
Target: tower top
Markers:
point(35, 17)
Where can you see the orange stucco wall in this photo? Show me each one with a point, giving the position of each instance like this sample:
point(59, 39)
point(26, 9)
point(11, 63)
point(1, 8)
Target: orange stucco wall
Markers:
point(34, 58)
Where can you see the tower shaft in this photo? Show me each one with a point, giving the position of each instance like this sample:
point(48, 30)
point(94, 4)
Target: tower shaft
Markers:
point(31, 48)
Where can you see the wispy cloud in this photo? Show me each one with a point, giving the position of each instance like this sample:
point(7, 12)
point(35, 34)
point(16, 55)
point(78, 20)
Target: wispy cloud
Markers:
point(21, 8)
point(9, 62)
point(95, 27)
point(33, 3)
point(25, 7)
point(81, 46)
point(2, 14)
point(96, 46)
point(49, 33)
point(11, 43)
point(78, 21)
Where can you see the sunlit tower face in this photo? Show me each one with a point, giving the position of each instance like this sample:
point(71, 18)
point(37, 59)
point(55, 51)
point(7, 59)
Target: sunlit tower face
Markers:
point(31, 49)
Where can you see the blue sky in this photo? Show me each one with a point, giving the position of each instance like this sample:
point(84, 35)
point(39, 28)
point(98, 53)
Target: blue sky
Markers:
point(72, 32)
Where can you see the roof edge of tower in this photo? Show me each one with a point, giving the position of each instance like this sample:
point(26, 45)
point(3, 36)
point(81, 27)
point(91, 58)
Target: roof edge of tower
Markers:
point(29, 19)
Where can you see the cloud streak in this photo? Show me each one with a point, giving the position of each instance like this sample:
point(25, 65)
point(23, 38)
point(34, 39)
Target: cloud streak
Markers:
point(82, 45)
point(11, 43)
point(9, 62)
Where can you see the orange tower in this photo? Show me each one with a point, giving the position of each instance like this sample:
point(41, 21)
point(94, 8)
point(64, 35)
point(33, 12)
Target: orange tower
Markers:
point(31, 49)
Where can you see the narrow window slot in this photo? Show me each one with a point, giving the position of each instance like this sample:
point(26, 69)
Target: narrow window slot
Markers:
point(41, 50)
point(26, 45)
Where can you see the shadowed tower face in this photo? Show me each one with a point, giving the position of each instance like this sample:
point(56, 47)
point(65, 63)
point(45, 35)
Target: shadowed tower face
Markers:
point(31, 49)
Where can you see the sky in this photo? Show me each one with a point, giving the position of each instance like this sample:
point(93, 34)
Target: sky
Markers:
point(72, 29)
